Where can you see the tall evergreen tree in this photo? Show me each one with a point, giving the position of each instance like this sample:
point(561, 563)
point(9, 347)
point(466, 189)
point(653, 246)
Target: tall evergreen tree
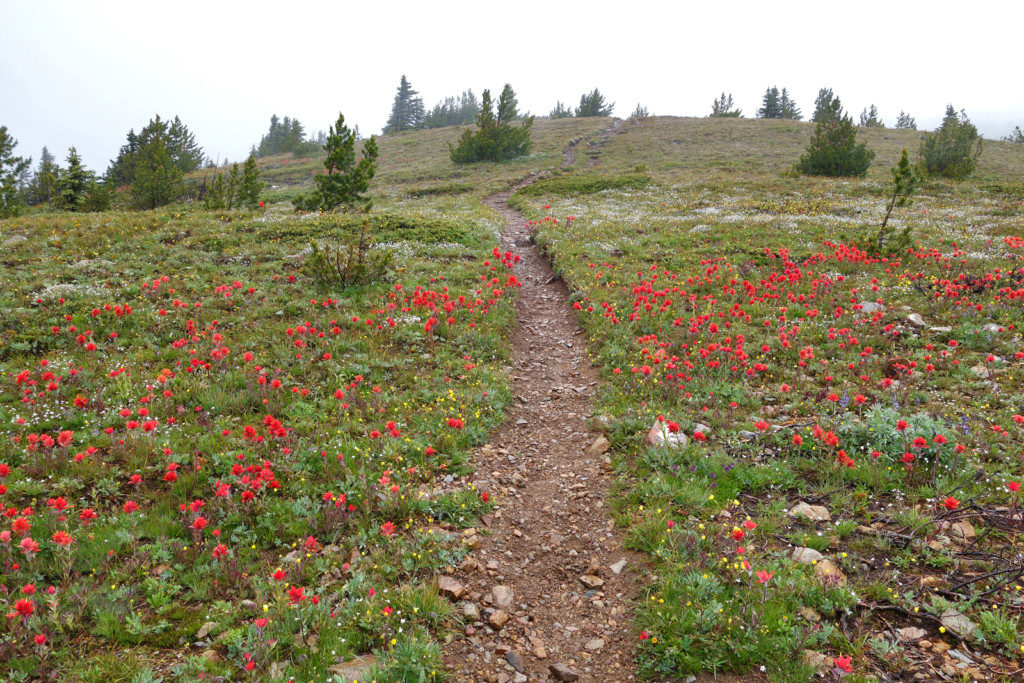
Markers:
point(157, 179)
point(182, 146)
point(771, 107)
point(869, 118)
point(345, 179)
point(788, 106)
point(250, 188)
point(593, 104)
point(507, 105)
point(74, 183)
point(407, 111)
point(723, 107)
point(823, 104)
point(11, 170)
point(833, 150)
point(43, 186)
point(905, 121)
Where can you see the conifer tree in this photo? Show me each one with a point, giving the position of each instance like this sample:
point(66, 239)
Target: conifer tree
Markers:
point(833, 150)
point(723, 107)
point(407, 111)
point(869, 118)
point(157, 179)
point(905, 121)
point(182, 146)
point(593, 104)
point(250, 188)
point(560, 111)
point(231, 189)
point(507, 105)
point(771, 107)
point(345, 179)
point(1016, 136)
point(43, 186)
point(823, 104)
point(11, 169)
point(74, 183)
point(788, 107)
point(952, 151)
point(640, 112)
point(493, 140)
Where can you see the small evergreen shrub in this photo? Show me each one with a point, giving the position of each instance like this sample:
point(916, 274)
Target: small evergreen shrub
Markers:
point(351, 262)
point(495, 139)
point(953, 150)
point(570, 184)
point(833, 150)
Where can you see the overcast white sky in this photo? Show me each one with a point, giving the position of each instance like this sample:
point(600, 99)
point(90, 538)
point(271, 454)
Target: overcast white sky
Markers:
point(83, 73)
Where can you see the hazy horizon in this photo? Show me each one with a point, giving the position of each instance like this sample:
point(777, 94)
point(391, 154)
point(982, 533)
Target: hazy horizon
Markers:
point(83, 75)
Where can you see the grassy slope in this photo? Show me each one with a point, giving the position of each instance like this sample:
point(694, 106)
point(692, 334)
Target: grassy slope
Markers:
point(704, 240)
point(141, 585)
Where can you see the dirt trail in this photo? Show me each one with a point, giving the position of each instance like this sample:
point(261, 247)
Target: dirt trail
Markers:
point(551, 541)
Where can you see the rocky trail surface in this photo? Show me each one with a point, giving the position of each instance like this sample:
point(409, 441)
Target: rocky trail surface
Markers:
point(546, 592)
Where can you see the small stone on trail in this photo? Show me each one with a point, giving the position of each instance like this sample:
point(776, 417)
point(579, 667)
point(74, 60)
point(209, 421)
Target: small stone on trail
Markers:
point(450, 588)
point(561, 672)
point(502, 596)
point(591, 581)
point(513, 658)
point(618, 566)
point(600, 446)
point(498, 619)
point(594, 644)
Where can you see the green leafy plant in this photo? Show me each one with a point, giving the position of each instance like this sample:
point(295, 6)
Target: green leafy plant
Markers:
point(352, 262)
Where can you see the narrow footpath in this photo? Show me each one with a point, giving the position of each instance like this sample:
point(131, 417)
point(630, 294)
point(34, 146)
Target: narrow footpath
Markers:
point(546, 594)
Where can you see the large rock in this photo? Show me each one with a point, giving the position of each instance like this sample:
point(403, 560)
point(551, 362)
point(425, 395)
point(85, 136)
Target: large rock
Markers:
point(958, 623)
point(815, 513)
point(827, 572)
point(659, 435)
point(807, 555)
point(354, 669)
point(816, 660)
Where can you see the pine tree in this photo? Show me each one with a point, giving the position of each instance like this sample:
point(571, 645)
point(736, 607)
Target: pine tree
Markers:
point(906, 121)
point(869, 118)
point(788, 107)
point(723, 107)
point(952, 151)
point(1016, 137)
point(640, 112)
point(182, 146)
point(231, 190)
point(493, 140)
point(11, 170)
point(42, 188)
point(560, 111)
point(593, 104)
point(823, 104)
point(905, 181)
point(157, 179)
point(407, 111)
point(507, 105)
point(771, 107)
point(345, 180)
point(833, 150)
point(74, 184)
point(214, 199)
point(250, 188)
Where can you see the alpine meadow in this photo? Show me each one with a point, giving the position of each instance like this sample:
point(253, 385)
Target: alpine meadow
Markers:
point(495, 386)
